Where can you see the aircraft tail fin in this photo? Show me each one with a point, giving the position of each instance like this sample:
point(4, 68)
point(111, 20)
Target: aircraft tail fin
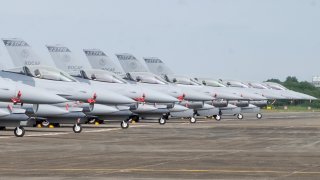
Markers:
point(21, 52)
point(130, 63)
point(157, 66)
point(99, 60)
point(64, 59)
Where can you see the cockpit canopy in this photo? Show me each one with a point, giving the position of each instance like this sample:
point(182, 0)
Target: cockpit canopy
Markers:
point(44, 72)
point(235, 84)
point(210, 82)
point(145, 77)
point(101, 75)
point(275, 86)
point(257, 85)
point(181, 80)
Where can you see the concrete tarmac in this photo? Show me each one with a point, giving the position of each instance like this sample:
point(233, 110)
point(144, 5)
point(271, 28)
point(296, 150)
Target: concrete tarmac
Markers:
point(279, 146)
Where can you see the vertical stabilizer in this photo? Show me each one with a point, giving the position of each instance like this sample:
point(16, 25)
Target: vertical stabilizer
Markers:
point(130, 63)
point(65, 60)
point(157, 66)
point(99, 60)
point(21, 53)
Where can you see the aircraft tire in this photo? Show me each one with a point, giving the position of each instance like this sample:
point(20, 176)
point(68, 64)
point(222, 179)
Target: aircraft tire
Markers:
point(217, 117)
point(124, 124)
point(193, 120)
point(19, 131)
point(77, 128)
point(162, 121)
point(240, 116)
point(259, 116)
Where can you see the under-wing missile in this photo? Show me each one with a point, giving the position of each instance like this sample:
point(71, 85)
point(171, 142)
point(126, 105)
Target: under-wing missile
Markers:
point(16, 92)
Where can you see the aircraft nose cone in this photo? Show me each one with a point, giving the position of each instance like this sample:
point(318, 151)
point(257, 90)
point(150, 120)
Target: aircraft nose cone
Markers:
point(294, 95)
point(46, 98)
point(197, 96)
point(252, 96)
point(307, 97)
point(312, 98)
point(228, 95)
point(273, 96)
point(158, 97)
point(35, 95)
point(109, 97)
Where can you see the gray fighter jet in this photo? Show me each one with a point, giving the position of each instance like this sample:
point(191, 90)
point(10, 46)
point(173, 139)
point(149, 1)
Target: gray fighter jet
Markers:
point(99, 60)
point(233, 96)
point(105, 80)
point(137, 71)
point(287, 93)
point(92, 101)
point(14, 97)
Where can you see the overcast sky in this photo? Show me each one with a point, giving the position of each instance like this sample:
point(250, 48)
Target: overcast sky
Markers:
point(233, 39)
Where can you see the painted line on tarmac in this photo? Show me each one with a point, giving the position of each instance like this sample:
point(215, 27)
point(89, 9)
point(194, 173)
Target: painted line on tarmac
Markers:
point(224, 171)
point(47, 134)
point(115, 129)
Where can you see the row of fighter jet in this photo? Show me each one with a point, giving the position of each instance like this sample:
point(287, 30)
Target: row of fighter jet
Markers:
point(90, 91)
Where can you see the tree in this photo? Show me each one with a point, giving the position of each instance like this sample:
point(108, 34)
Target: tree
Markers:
point(291, 79)
point(274, 80)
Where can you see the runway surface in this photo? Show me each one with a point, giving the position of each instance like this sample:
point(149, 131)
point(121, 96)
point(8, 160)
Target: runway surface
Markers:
point(279, 146)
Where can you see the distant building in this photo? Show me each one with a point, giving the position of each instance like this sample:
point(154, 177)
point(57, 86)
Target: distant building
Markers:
point(316, 81)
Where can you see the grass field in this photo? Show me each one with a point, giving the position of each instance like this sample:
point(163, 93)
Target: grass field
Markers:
point(291, 109)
